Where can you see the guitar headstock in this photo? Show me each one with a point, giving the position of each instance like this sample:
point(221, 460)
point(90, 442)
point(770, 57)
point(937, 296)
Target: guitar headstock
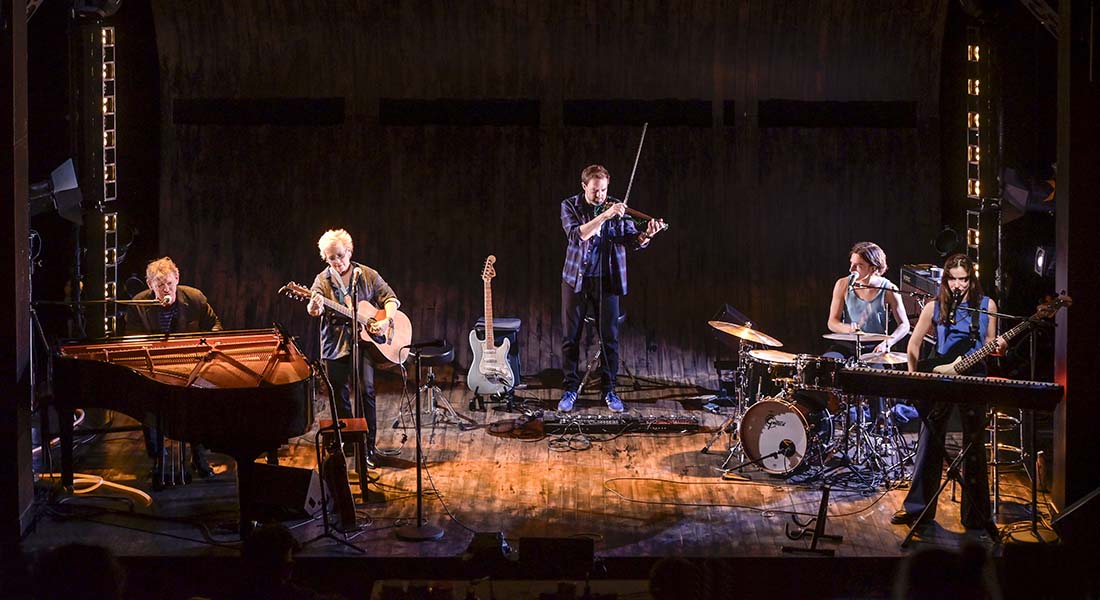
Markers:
point(488, 272)
point(296, 291)
point(1049, 309)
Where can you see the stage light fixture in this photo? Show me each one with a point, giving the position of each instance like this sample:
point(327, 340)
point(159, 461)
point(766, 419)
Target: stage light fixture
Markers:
point(974, 87)
point(973, 119)
point(59, 192)
point(1044, 261)
point(973, 52)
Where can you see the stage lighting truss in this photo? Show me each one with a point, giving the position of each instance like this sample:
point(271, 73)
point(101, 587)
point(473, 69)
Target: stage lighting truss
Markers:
point(973, 141)
point(110, 186)
point(110, 180)
point(973, 115)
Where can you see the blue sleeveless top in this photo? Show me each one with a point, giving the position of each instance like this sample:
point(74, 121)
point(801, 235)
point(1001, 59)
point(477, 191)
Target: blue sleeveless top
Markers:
point(948, 335)
point(870, 315)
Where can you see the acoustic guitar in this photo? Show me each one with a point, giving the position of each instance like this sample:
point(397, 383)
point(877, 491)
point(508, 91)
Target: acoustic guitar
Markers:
point(490, 373)
point(386, 348)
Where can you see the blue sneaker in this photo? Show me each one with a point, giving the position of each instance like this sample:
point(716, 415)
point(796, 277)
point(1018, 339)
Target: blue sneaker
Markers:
point(613, 401)
point(566, 402)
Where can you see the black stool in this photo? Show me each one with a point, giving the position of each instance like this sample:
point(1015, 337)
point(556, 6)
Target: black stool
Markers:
point(437, 357)
point(598, 356)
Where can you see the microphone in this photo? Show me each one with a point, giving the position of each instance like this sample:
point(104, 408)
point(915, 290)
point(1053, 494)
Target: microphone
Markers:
point(851, 281)
point(166, 300)
point(952, 306)
point(356, 274)
point(787, 448)
point(428, 344)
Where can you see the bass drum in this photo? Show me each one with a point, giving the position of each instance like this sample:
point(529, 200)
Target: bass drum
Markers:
point(782, 434)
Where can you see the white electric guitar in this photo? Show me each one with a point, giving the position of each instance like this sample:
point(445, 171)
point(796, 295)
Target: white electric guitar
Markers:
point(490, 372)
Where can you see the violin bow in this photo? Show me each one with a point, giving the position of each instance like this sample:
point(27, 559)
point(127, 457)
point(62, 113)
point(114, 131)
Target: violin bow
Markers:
point(629, 184)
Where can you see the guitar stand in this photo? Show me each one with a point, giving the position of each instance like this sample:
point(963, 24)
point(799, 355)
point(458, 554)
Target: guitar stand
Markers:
point(507, 398)
point(802, 530)
point(328, 528)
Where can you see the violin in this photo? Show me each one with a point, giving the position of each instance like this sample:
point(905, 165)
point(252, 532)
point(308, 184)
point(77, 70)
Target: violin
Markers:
point(640, 218)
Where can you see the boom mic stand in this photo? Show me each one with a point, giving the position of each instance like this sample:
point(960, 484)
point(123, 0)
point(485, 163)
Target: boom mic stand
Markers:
point(421, 531)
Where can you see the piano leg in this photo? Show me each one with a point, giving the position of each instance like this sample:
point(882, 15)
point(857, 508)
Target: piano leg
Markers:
point(246, 494)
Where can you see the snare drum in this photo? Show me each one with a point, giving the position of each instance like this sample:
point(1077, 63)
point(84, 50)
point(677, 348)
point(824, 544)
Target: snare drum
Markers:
point(782, 434)
point(768, 372)
point(818, 372)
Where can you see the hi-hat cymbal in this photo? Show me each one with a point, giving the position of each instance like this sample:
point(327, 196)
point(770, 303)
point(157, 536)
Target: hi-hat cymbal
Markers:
point(745, 333)
point(858, 336)
point(885, 358)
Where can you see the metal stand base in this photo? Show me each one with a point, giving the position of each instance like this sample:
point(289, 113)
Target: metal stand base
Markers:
point(1022, 533)
point(421, 533)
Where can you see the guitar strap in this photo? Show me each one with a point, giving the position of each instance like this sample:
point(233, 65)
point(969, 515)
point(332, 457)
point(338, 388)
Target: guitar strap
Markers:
point(975, 321)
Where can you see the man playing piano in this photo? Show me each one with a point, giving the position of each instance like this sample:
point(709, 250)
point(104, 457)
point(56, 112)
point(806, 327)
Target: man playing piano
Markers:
point(959, 330)
point(182, 309)
point(335, 283)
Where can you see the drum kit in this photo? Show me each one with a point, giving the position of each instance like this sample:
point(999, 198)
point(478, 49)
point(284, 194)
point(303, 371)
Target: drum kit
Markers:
point(790, 414)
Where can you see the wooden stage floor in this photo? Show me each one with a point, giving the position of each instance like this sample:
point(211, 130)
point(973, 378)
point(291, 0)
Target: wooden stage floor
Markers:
point(637, 496)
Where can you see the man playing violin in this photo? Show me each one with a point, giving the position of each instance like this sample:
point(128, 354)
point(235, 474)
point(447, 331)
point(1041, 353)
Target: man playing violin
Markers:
point(594, 277)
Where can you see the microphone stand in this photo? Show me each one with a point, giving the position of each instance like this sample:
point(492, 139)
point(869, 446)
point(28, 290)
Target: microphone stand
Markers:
point(421, 531)
point(357, 405)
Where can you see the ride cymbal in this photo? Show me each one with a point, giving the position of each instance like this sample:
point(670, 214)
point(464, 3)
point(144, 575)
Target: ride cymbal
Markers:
point(746, 333)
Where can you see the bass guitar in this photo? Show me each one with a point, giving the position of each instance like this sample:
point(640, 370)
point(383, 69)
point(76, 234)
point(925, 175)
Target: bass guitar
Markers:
point(490, 372)
point(389, 347)
point(956, 362)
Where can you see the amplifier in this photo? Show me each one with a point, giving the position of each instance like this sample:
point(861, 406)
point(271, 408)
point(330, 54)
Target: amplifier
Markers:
point(918, 278)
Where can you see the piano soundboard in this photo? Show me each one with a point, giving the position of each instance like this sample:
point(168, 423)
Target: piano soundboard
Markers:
point(1013, 393)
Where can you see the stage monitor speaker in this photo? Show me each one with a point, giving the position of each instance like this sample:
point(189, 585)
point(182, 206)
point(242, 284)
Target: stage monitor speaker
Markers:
point(287, 492)
point(1079, 524)
point(553, 558)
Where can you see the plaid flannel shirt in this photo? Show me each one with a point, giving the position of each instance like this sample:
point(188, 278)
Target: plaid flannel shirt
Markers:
point(620, 233)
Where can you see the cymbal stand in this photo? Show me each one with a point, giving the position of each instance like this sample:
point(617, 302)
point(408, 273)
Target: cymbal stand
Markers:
point(893, 443)
point(845, 452)
point(732, 423)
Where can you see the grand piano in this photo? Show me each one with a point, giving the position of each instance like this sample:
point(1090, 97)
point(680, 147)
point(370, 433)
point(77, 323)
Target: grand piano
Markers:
point(237, 392)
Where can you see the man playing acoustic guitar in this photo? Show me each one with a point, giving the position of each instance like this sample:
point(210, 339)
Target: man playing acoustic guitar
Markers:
point(335, 284)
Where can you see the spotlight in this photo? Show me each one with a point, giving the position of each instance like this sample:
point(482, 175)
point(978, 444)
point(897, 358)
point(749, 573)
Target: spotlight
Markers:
point(60, 192)
point(1044, 261)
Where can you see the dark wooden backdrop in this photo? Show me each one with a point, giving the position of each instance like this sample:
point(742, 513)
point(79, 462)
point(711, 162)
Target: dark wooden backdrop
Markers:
point(761, 217)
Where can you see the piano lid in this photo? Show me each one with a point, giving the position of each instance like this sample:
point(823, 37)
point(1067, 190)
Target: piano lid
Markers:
point(212, 359)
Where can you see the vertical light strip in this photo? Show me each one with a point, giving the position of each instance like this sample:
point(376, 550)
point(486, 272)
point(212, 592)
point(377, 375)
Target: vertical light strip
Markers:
point(973, 138)
point(110, 180)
